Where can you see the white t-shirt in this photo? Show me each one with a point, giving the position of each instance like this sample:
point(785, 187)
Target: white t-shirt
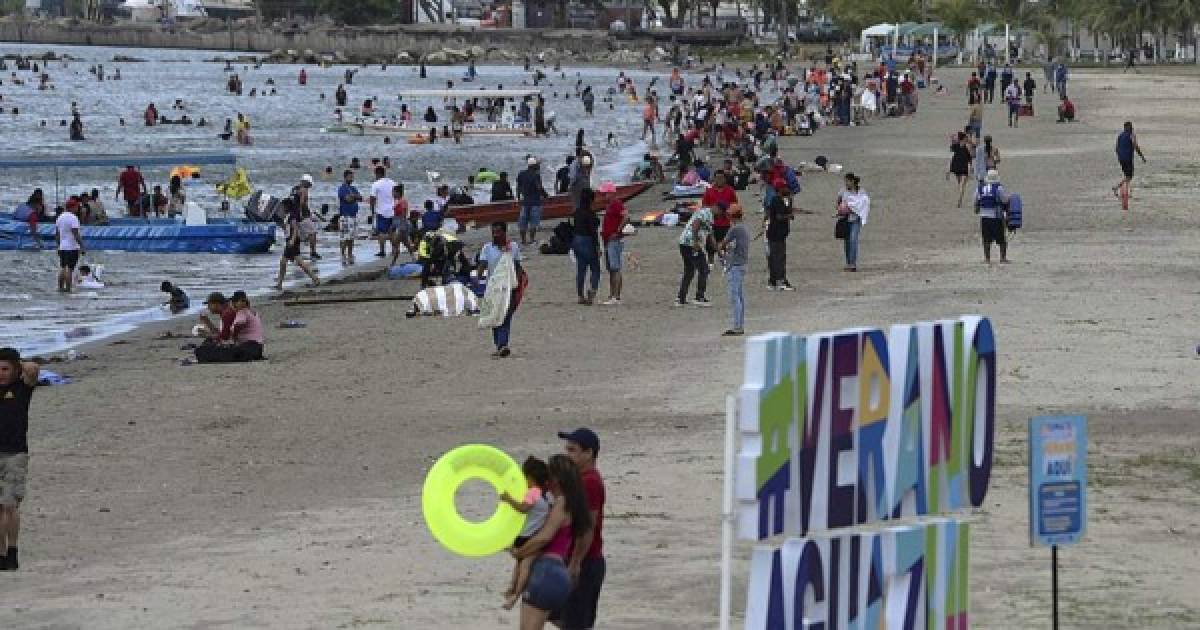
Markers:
point(381, 191)
point(491, 254)
point(66, 238)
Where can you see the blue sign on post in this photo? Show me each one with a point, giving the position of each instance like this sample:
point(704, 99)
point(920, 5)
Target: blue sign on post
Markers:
point(1057, 480)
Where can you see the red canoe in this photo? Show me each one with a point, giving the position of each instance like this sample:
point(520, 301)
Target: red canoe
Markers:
point(556, 207)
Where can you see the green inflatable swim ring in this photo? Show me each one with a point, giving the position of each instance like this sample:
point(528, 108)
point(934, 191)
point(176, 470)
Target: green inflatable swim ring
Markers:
point(469, 538)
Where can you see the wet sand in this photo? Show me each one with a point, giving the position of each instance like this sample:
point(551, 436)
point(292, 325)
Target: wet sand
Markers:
point(286, 493)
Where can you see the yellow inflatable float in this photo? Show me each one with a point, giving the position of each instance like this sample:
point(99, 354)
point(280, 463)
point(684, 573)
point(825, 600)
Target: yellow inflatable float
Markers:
point(449, 473)
point(185, 172)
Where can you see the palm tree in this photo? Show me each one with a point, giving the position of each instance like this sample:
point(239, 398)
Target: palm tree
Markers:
point(1185, 13)
point(958, 16)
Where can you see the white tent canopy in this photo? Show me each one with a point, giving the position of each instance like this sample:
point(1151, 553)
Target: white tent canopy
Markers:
point(879, 30)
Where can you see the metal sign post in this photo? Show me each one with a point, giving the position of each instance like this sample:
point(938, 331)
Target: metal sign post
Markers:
point(1057, 488)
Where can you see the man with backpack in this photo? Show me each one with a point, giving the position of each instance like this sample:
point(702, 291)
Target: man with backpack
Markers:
point(990, 199)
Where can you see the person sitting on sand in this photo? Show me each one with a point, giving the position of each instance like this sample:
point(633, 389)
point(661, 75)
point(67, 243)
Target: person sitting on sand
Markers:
point(1066, 110)
point(179, 301)
point(450, 300)
point(535, 505)
point(217, 304)
point(246, 332)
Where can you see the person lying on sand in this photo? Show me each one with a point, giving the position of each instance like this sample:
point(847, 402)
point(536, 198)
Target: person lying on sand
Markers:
point(450, 300)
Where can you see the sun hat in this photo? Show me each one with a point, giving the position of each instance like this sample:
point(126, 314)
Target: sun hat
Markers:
point(532, 161)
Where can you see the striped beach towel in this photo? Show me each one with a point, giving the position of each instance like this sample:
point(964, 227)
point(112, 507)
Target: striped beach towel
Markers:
point(451, 300)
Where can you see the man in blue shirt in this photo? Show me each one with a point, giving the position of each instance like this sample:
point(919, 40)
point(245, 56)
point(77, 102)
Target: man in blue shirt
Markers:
point(1060, 79)
point(348, 198)
point(1127, 145)
point(531, 193)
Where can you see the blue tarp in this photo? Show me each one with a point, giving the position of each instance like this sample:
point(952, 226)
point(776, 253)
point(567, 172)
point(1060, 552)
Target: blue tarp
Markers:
point(147, 159)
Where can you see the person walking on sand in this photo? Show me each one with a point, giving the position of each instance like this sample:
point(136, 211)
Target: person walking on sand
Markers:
point(567, 529)
point(494, 258)
point(777, 228)
point(70, 245)
point(960, 162)
point(990, 157)
point(612, 232)
point(990, 198)
point(587, 566)
point(1127, 145)
point(1012, 97)
point(291, 248)
point(693, 246)
point(1129, 65)
point(17, 382)
point(853, 206)
point(735, 250)
point(1030, 87)
point(975, 116)
point(585, 245)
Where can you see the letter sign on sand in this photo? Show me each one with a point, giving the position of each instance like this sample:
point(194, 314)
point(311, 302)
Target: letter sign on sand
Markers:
point(889, 432)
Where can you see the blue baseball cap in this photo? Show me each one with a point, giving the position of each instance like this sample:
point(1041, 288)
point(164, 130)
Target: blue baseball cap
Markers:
point(584, 437)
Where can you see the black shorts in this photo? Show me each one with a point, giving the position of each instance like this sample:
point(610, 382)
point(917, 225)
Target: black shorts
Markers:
point(993, 231)
point(291, 252)
point(68, 258)
point(580, 611)
point(1127, 167)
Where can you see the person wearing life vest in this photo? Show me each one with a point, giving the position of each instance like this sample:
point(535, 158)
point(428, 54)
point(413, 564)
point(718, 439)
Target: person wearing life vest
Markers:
point(438, 253)
point(990, 204)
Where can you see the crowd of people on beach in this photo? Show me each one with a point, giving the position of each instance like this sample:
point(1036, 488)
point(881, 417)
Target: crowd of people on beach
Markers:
point(720, 137)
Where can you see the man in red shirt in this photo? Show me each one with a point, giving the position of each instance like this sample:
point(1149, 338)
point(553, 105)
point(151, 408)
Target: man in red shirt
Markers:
point(613, 234)
point(719, 193)
point(587, 560)
point(218, 305)
point(131, 186)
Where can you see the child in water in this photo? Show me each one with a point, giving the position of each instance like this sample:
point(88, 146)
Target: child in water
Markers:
point(179, 301)
point(87, 278)
point(535, 505)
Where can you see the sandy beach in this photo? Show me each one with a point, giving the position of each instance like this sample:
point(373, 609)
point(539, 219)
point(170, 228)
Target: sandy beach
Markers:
point(285, 494)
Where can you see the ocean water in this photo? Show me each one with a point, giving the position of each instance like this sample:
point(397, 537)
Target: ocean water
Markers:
point(288, 141)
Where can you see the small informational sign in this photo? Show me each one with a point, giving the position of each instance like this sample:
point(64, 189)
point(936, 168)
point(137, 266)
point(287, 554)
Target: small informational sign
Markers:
point(1057, 480)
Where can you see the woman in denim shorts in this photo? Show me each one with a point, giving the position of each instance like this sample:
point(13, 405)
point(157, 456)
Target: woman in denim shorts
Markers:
point(549, 583)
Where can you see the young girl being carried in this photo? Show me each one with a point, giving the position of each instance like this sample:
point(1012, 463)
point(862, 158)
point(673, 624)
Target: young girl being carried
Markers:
point(535, 505)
